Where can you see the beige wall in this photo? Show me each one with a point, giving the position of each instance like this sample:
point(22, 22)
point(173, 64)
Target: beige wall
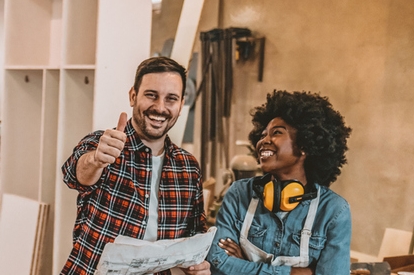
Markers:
point(361, 55)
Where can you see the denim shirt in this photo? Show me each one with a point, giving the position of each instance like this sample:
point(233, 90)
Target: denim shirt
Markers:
point(329, 245)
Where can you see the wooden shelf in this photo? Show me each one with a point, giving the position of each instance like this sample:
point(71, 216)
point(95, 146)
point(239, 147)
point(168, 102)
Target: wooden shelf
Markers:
point(60, 74)
point(80, 27)
point(28, 35)
point(21, 132)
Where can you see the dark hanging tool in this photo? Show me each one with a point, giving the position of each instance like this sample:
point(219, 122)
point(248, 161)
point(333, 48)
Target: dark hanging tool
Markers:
point(218, 56)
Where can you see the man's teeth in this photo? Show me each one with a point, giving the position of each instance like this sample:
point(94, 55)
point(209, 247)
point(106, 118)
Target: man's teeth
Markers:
point(266, 153)
point(158, 118)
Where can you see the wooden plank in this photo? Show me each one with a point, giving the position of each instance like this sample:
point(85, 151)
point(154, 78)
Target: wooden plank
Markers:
point(407, 268)
point(39, 242)
point(395, 242)
point(399, 261)
point(123, 42)
point(186, 31)
point(18, 233)
point(182, 51)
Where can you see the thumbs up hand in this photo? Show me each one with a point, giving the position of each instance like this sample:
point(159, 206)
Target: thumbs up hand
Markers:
point(111, 143)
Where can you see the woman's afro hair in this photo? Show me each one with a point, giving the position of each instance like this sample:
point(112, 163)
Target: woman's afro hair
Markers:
point(321, 131)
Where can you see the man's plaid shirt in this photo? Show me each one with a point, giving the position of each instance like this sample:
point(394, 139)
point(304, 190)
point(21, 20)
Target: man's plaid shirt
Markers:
point(118, 203)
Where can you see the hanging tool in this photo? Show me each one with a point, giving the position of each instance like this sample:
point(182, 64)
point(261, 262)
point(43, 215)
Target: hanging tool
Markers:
point(218, 48)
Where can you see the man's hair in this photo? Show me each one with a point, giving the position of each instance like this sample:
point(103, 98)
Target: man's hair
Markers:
point(159, 65)
point(321, 131)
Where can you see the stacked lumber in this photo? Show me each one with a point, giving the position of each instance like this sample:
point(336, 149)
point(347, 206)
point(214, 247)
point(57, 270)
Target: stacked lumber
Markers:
point(22, 230)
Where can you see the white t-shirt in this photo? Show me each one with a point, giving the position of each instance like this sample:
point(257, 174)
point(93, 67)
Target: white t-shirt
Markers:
point(151, 233)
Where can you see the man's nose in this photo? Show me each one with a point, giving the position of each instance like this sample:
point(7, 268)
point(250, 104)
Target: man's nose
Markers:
point(159, 104)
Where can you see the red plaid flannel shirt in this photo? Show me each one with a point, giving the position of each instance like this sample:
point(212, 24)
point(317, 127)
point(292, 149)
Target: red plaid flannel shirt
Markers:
point(118, 203)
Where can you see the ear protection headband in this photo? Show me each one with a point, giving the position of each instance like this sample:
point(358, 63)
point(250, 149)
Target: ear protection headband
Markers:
point(281, 195)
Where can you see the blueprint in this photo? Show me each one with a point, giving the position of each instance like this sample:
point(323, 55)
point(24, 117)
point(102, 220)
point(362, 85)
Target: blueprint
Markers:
point(130, 256)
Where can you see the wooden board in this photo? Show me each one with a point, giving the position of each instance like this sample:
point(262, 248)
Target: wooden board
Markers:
point(22, 224)
point(395, 242)
point(115, 65)
point(182, 51)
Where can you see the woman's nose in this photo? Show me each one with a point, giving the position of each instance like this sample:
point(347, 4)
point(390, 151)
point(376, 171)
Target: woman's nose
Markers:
point(263, 141)
point(266, 139)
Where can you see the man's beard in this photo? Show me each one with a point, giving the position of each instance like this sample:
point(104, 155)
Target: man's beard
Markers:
point(148, 131)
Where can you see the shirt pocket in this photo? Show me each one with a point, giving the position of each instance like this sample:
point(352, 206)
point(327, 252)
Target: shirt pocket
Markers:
point(316, 244)
point(256, 234)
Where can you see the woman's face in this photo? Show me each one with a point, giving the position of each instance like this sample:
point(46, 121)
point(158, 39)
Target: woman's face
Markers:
point(278, 153)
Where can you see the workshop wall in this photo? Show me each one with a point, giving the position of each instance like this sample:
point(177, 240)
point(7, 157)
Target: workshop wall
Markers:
point(360, 54)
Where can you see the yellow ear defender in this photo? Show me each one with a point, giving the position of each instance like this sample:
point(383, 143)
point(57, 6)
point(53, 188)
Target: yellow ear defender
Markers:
point(276, 195)
point(281, 195)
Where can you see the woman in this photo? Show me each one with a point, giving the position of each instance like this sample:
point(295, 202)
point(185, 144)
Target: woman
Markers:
point(288, 221)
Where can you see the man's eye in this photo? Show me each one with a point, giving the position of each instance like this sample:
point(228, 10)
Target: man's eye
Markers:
point(173, 98)
point(151, 95)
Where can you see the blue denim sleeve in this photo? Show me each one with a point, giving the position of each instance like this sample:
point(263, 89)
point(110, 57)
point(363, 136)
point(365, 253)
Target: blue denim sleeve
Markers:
point(335, 257)
point(234, 207)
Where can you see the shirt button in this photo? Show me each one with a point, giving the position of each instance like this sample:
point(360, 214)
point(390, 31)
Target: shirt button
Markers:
point(277, 244)
point(144, 222)
point(147, 195)
point(146, 150)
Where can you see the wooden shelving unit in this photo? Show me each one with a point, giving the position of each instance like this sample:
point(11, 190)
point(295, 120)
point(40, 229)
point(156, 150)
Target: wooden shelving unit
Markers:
point(68, 67)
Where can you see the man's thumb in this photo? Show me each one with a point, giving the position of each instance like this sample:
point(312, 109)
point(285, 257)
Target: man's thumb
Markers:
point(123, 118)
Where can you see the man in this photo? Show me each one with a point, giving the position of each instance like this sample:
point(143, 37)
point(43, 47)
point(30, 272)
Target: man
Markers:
point(133, 180)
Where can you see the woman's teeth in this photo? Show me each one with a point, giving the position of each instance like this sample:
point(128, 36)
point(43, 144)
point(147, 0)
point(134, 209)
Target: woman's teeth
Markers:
point(266, 153)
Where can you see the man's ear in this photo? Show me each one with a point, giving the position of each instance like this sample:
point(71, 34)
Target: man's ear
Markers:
point(182, 104)
point(132, 96)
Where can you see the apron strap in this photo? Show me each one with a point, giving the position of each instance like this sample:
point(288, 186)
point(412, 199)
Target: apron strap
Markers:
point(248, 219)
point(307, 230)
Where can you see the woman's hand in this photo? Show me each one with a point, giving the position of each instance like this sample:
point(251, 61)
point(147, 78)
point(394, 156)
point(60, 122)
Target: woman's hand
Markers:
point(234, 250)
point(301, 271)
point(231, 248)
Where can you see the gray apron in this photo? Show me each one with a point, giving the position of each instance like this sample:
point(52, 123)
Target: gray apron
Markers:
point(255, 254)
